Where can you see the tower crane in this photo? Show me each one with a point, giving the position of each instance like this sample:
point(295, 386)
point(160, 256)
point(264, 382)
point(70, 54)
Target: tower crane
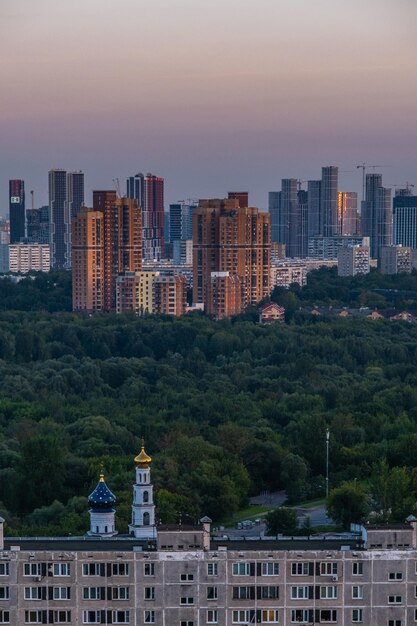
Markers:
point(364, 167)
point(116, 184)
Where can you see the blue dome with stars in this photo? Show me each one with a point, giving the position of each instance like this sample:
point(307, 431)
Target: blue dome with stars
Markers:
point(102, 499)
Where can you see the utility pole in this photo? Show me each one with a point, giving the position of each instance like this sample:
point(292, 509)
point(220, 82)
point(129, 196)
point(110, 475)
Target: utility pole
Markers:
point(327, 462)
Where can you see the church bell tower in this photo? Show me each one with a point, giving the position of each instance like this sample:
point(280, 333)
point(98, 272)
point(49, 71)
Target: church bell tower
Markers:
point(143, 508)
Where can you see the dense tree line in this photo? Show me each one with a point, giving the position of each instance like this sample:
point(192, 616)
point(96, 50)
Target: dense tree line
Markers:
point(227, 409)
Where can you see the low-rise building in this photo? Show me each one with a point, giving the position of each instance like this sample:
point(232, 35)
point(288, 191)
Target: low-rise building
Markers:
point(271, 312)
point(286, 272)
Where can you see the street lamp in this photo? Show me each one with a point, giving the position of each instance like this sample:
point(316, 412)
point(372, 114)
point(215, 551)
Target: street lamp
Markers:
point(327, 462)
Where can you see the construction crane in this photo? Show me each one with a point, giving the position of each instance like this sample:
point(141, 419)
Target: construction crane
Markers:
point(32, 195)
point(364, 167)
point(116, 183)
point(407, 186)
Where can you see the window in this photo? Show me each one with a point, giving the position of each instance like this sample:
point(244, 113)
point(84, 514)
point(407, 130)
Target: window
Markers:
point(120, 569)
point(33, 593)
point(187, 577)
point(4, 571)
point(61, 593)
point(33, 617)
point(270, 569)
point(120, 593)
point(62, 617)
point(328, 568)
point(395, 599)
point(395, 576)
point(32, 569)
point(149, 593)
point(300, 569)
point(357, 615)
point(93, 569)
point(187, 623)
point(211, 593)
point(187, 600)
point(212, 569)
point(149, 569)
point(241, 569)
point(328, 615)
point(267, 593)
point(121, 617)
point(91, 617)
point(301, 615)
point(357, 568)
point(357, 592)
point(242, 617)
point(212, 616)
point(243, 593)
point(300, 593)
point(92, 593)
point(395, 622)
point(270, 616)
point(149, 617)
point(4, 593)
point(328, 593)
point(4, 617)
point(61, 569)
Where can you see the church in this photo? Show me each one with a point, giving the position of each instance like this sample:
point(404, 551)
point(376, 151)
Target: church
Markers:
point(185, 576)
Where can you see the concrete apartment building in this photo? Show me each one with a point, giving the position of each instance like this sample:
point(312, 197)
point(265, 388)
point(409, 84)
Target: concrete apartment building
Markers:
point(396, 259)
point(29, 257)
point(151, 292)
point(183, 576)
point(353, 260)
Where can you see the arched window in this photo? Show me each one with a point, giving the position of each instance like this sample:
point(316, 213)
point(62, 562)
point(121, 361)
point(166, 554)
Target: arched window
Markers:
point(105, 529)
point(146, 496)
point(146, 519)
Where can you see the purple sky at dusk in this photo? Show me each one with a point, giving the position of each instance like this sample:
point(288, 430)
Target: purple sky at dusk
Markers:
point(213, 95)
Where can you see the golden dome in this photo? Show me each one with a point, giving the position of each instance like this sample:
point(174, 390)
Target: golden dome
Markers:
point(142, 459)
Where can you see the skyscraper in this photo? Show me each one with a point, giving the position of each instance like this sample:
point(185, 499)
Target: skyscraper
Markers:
point(347, 213)
point(59, 218)
point(181, 221)
point(329, 190)
point(377, 214)
point(405, 220)
point(74, 202)
point(229, 238)
point(274, 204)
point(288, 221)
point(314, 217)
point(17, 210)
point(149, 192)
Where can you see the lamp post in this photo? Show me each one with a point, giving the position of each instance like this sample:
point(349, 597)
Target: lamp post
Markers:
point(327, 462)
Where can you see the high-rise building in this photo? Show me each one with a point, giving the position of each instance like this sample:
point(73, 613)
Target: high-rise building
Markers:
point(229, 238)
point(274, 206)
point(134, 292)
point(37, 225)
point(353, 260)
point(149, 192)
point(108, 242)
point(225, 295)
point(347, 213)
point(314, 217)
point(59, 218)
point(328, 207)
point(302, 231)
point(29, 257)
point(241, 196)
point(17, 210)
point(405, 220)
point(377, 214)
point(75, 193)
point(169, 294)
point(181, 221)
point(88, 261)
point(396, 259)
point(289, 218)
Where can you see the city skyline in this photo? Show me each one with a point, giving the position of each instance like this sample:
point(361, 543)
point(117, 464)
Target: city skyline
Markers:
point(242, 109)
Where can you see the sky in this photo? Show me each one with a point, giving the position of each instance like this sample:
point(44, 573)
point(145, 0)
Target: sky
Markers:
point(213, 95)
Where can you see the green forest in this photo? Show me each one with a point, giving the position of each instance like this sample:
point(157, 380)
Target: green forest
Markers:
point(227, 409)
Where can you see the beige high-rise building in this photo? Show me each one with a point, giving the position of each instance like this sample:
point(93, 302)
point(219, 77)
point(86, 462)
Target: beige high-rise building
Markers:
point(134, 292)
point(231, 238)
point(87, 261)
point(105, 243)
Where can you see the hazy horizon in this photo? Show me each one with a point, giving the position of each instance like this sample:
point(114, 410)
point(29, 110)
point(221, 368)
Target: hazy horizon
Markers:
point(213, 96)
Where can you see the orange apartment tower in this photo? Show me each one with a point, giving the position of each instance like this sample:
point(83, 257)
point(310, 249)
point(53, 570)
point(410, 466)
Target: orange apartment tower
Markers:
point(87, 261)
point(119, 250)
point(235, 239)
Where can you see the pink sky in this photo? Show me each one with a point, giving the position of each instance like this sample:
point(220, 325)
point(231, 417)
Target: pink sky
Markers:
point(212, 95)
